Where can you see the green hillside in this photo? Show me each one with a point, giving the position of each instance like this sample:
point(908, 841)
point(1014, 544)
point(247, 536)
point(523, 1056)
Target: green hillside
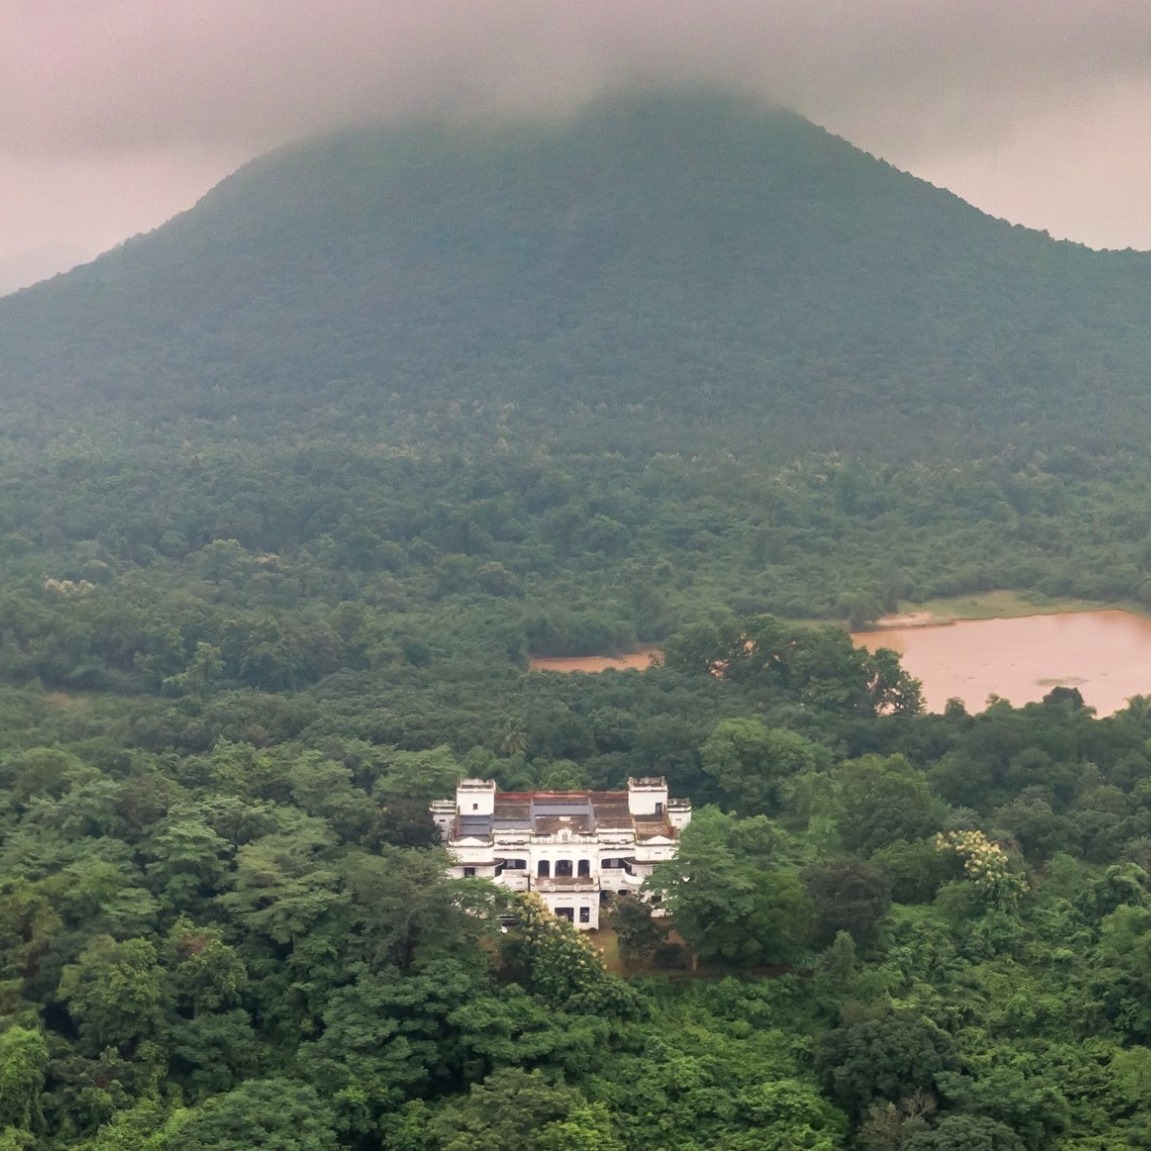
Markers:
point(548, 390)
point(669, 272)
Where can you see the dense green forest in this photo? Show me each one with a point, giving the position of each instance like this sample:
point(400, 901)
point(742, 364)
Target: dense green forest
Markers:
point(223, 924)
point(292, 489)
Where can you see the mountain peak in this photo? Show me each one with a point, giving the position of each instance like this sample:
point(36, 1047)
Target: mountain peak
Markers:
point(687, 256)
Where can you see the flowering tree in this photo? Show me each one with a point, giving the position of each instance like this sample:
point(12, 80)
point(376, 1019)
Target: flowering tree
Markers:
point(987, 866)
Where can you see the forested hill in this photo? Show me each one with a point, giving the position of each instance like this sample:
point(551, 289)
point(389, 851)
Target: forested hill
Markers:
point(664, 271)
point(291, 490)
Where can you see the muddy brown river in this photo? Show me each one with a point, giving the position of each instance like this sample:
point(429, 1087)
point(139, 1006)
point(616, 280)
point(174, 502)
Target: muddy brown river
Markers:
point(1105, 654)
point(637, 660)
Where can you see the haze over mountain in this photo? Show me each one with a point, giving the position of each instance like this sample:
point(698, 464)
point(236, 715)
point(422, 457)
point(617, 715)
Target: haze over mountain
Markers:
point(685, 264)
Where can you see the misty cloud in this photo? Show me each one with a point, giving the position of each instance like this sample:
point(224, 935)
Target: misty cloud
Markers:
point(116, 113)
point(134, 74)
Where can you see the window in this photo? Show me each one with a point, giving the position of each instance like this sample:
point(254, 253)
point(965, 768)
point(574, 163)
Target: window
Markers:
point(563, 868)
point(475, 807)
point(544, 869)
point(659, 809)
point(585, 915)
point(584, 867)
point(469, 873)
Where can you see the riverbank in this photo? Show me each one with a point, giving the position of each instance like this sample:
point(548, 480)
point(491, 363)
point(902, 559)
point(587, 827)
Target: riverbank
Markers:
point(995, 605)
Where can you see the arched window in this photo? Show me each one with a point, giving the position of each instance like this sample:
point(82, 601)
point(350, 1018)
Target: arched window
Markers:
point(563, 868)
point(584, 867)
point(544, 869)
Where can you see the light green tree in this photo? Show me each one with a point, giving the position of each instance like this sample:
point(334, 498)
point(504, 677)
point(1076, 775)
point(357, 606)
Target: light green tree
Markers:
point(731, 904)
point(116, 992)
point(23, 1068)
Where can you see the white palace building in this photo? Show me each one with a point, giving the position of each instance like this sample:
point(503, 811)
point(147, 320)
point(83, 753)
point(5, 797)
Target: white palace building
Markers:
point(570, 847)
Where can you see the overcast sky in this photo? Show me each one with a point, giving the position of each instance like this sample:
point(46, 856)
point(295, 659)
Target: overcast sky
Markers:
point(115, 114)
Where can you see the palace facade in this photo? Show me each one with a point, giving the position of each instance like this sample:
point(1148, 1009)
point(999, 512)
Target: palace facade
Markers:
point(570, 847)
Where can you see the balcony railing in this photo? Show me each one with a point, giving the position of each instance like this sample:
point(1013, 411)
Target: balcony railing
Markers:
point(556, 883)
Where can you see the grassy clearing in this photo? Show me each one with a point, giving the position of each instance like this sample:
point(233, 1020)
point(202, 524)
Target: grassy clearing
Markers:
point(1008, 605)
point(608, 942)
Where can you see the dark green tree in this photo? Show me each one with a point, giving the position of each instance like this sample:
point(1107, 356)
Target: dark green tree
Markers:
point(637, 932)
point(848, 896)
point(889, 1059)
point(883, 800)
